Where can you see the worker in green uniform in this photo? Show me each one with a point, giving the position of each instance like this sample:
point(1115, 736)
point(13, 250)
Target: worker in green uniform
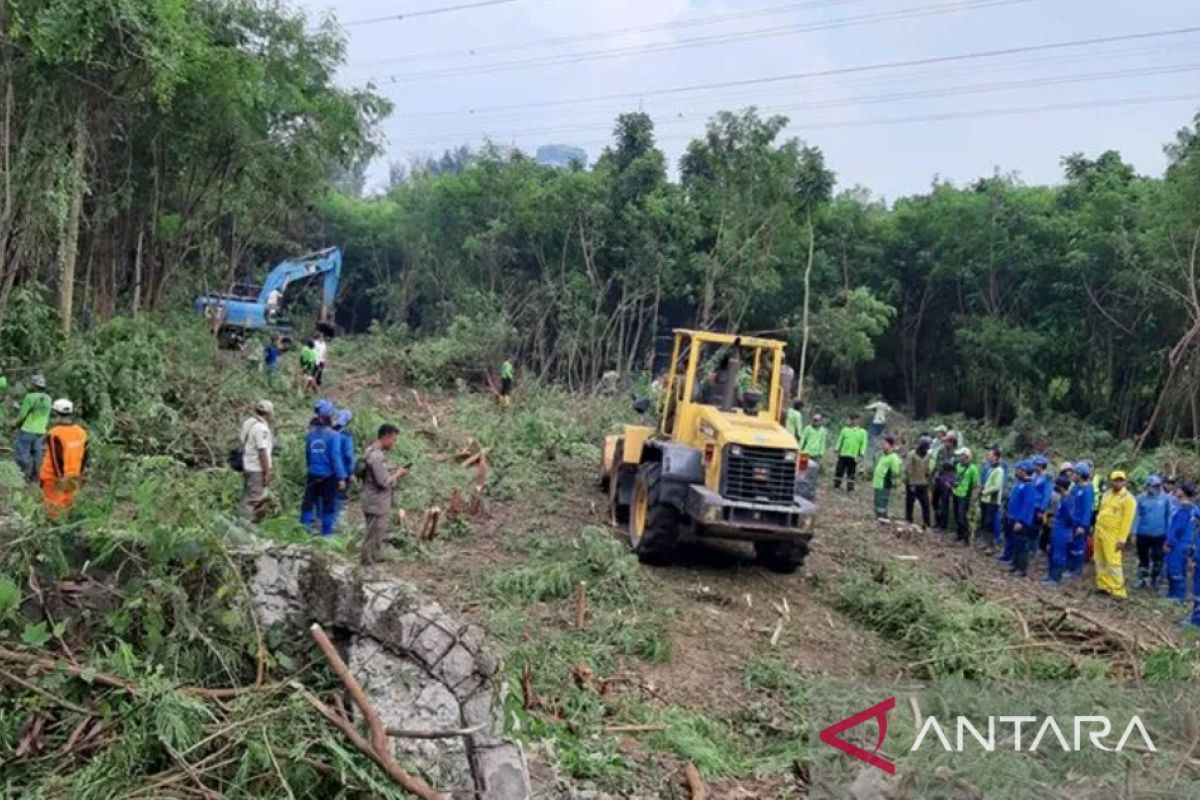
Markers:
point(33, 420)
point(851, 446)
point(507, 374)
point(966, 481)
point(795, 421)
point(887, 475)
point(814, 438)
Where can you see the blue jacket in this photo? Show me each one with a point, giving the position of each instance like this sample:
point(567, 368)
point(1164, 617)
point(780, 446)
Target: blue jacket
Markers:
point(346, 439)
point(1043, 489)
point(1180, 533)
point(323, 453)
point(1153, 515)
point(1064, 517)
point(1021, 502)
point(1085, 502)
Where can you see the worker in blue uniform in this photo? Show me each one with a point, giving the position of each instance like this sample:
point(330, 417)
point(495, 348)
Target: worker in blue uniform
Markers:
point(326, 471)
point(1180, 547)
point(1022, 527)
point(1061, 532)
point(1150, 531)
point(1083, 499)
point(1043, 484)
point(341, 425)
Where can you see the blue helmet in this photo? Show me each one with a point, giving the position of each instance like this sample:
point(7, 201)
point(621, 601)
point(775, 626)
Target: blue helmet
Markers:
point(1026, 465)
point(323, 408)
point(343, 418)
point(1041, 461)
point(1083, 469)
point(1153, 480)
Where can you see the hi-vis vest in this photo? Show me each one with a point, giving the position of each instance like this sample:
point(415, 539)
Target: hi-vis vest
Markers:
point(66, 446)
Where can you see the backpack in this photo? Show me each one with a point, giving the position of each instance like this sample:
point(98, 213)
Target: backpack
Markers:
point(360, 469)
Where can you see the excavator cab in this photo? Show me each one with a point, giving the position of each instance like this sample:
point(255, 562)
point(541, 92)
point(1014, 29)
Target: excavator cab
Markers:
point(718, 464)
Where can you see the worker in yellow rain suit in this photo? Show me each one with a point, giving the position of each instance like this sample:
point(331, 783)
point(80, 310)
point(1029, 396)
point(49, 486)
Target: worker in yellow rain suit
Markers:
point(64, 459)
point(1113, 525)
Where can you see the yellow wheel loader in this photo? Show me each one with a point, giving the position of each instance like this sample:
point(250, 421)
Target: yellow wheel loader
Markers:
point(718, 464)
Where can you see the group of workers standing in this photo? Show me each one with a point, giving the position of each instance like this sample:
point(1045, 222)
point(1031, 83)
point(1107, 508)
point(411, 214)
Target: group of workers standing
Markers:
point(1025, 510)
point(49, 446)
point(331, 463)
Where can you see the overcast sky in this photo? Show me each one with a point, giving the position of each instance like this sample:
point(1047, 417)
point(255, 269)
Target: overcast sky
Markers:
point(456, 77)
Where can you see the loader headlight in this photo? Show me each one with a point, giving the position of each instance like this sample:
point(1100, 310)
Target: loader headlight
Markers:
point(789, 456)
point(735, 451)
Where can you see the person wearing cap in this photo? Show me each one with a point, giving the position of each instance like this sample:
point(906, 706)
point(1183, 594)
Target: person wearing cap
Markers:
point(1150, 525)
point(33, 420)
point(878, 423)
point(916, 480)
point(814, 438)
point(326, 470)
point(851, 446)
point(887, 475)
point(1043, 486)
point(1082, 499)
point(1021, 533)
point(64, 460)
point(341, 424)
point(966, 478)
point(1063, 527)
point(258, 445)
point(1114, 523)
point(990, 498)
point(308, 365)
point(1180, 545)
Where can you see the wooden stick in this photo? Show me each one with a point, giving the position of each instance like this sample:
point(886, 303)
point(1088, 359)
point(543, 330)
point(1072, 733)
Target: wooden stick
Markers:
point(634, 728)
point(409, 783)
point(694, 783)
point(581, 605)
point(455, 734)
point(374, 724)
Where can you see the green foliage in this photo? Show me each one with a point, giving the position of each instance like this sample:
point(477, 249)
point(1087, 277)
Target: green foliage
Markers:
point(472, 346)
point(952, 634)
point(1169, 664)
point(845, 329)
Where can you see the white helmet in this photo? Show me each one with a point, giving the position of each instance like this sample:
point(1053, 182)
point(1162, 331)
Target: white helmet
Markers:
point(63, 406)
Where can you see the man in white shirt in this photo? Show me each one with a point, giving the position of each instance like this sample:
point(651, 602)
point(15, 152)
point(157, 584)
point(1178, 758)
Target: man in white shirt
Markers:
point(877, 425)
point(257, 445)
point(320, 346)
point(274, 300)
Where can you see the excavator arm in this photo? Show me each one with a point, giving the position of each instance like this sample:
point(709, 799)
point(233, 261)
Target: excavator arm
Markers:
point(327, 262)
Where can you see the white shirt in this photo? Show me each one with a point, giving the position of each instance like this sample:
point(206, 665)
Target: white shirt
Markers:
point(256, 435)
point(319, 346)
point(881, 411)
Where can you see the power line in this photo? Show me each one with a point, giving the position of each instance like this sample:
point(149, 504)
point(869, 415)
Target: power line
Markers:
point(426, 12)
point(556, 41)
point(919, 94)
point(839, 71)
point(954, 115)
point(700, 41)
point(900, 79)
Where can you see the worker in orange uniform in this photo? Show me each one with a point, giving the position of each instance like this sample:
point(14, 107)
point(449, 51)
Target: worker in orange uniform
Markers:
point(64, 459)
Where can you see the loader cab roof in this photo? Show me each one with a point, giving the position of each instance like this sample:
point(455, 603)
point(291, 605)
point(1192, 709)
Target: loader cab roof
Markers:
point(729, 339)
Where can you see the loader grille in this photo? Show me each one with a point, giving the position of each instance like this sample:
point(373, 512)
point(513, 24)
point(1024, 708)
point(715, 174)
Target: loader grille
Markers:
point(758, 475)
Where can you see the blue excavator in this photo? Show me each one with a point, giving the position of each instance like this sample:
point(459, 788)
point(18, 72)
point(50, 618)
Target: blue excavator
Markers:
point(248, 309)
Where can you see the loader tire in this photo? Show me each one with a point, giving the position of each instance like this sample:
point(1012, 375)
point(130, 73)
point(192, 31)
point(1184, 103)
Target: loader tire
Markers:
point(653, 525)
point(782, 557)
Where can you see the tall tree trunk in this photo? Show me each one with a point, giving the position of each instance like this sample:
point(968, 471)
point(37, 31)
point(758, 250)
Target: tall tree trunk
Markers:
point(804, 319)
point(70, 243)
point(137, 273)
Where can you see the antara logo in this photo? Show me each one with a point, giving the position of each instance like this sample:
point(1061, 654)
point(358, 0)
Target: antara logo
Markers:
point(876, 712)
point(1095, 729)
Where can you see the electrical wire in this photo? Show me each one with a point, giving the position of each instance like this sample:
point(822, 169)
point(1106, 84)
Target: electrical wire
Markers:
point(591, 37)
point(883, 66)
point(700, 41)
point(917, 94)
point(426, 12)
